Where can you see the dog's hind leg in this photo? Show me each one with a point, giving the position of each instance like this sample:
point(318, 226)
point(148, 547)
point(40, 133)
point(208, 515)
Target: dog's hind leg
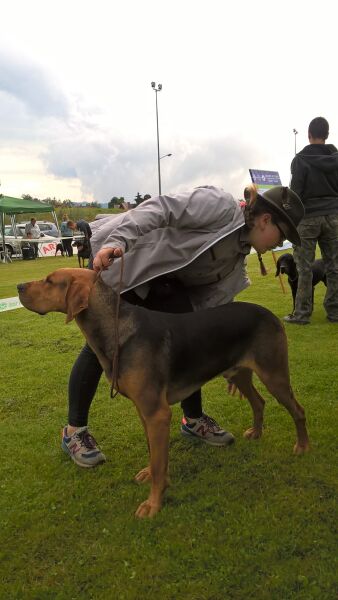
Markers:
point(157, 425)
point(278, 384)
point(243, 380)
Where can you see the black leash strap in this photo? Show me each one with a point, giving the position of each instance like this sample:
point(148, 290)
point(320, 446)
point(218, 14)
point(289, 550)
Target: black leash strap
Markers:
point(114, 389)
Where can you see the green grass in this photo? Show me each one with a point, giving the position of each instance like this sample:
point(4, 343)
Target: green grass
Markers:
point(249, 522)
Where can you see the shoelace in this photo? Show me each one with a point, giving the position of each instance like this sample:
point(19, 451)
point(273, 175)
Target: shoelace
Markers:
point(211, 423)
point(87, 440)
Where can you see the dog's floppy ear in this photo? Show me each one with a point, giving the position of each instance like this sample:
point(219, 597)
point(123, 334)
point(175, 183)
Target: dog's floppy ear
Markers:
point(76, 299)
point(278, 268)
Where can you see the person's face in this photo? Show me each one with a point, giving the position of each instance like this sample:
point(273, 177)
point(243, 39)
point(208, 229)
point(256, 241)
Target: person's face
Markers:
point(265, 235)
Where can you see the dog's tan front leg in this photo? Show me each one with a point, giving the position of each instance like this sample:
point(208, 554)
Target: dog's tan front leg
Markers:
point(158, 429)
point(144, 475)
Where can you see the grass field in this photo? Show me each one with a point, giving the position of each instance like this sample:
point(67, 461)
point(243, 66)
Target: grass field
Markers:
point(248, 522)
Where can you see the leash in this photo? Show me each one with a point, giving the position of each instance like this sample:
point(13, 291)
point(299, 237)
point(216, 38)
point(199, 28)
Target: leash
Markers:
point(114, 380)
point(115, 361)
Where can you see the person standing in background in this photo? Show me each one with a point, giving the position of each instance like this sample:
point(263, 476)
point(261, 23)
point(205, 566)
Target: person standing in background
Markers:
point(32, 231)
point(315, 179)
point(67, 233)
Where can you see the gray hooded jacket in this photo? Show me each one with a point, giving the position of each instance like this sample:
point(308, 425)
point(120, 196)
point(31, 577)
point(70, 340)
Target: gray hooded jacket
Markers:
point(166, 234)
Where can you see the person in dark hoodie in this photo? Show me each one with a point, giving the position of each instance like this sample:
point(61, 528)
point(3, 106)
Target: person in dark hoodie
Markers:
point(314, 173)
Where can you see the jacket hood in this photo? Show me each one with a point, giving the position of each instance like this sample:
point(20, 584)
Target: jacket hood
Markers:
point(320, 156)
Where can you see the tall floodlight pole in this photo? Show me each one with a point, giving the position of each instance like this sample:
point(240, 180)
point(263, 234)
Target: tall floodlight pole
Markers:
point(157, 89)
point(296, 133)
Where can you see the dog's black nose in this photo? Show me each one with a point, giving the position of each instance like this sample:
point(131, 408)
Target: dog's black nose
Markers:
point(20, 287)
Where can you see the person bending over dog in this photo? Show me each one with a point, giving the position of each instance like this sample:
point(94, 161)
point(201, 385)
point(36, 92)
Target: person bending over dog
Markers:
point(82, 226)
point(182, 253)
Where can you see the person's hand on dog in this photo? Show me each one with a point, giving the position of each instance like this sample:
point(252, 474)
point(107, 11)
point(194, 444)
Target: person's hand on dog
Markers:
point(105, 257)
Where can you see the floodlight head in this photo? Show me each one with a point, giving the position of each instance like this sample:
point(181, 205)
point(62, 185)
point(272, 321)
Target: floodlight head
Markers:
point(159, 87)
point(153, 84)
point(295, 131)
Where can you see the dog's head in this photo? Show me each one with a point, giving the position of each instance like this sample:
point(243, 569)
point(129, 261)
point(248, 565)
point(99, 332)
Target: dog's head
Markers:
point(65, 290)
point(285, 264)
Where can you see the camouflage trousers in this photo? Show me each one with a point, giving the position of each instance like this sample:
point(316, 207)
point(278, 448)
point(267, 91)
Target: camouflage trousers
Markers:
point(324, 230)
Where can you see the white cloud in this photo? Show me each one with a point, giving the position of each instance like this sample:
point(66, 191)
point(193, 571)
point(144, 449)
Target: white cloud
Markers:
point(27, 83)
point(76, 101)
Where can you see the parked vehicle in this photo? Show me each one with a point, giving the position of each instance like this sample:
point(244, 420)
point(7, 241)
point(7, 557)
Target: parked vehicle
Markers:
point(46, 228)
point(12, 242)
point(12, 238)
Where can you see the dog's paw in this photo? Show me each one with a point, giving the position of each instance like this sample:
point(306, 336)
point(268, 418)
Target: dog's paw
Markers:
point(147, 510)
point(252, 433)
point(143, 476)
point(301, 448)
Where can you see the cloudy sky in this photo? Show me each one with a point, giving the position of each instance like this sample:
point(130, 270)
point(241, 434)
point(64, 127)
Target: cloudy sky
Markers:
point(77, 111)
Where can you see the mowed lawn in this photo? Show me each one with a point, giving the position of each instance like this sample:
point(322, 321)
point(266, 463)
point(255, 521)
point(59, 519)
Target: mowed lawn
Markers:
point(249, 522)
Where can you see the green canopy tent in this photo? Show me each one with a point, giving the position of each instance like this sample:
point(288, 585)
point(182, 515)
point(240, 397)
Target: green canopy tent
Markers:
point(14, 206)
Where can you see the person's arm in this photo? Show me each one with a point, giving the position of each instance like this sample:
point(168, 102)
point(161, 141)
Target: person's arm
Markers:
point(297, 183)
point(203, 209)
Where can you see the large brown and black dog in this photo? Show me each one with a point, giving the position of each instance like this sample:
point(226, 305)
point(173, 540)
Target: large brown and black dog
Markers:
point(164, 357)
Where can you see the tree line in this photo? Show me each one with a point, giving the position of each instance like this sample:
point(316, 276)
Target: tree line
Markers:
point(115, 202)
point(120, 202)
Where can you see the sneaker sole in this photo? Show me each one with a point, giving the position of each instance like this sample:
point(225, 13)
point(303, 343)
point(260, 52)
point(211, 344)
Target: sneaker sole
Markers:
point(296, 322)
point(194, 437)
point(79, 463)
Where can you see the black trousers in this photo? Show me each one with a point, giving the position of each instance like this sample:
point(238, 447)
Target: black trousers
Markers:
point(166, 295)
point(67, 244)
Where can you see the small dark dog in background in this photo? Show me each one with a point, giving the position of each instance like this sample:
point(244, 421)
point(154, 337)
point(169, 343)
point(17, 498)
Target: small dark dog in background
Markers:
point(83, 251)
point(59, 248)
point(286, 264)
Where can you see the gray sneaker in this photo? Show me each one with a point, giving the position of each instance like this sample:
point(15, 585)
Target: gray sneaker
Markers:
point(82, 448)
point(207, 430)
